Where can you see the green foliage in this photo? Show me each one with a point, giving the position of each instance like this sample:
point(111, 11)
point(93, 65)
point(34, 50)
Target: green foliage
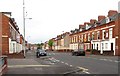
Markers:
point(93, 51)
point(39, 46)
point(88, 50)
point(50, 43)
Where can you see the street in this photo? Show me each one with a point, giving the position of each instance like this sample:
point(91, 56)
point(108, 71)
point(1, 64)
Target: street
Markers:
point(33, 65)
point(93, 64)
point(63, 63)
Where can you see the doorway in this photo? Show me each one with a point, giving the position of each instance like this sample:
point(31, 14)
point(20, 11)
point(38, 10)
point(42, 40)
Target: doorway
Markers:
point(111, 46)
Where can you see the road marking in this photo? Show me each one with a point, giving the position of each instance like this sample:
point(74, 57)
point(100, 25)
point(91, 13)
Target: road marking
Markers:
point(94, 58)
point(29, 52)
point(38, 69)
point(110, 60)
point(88, 57)
point(85, 69)
point(51, 63)
point(71, 65)
point(66, 63)
point(24, 66)
point(102, 59)
point(58, 60)
point(49, 54)
point(86, 72)
point(62, 62)
point(53, 53)
point(116, 61)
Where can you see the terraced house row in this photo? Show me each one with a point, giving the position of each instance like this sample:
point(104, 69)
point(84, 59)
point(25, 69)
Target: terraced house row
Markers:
point(11, 40)
point(101, 35)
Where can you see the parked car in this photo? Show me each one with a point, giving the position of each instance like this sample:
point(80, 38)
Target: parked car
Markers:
point(40, 52)
point(80, 52)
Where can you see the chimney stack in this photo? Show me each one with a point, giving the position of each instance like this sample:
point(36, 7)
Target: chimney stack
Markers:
point(101, 17)
point(92, 21)
point(112, 12)
point(86, 23)
point(81, 25)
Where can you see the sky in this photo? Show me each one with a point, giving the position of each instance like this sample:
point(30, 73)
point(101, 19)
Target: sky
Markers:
point(54, 17)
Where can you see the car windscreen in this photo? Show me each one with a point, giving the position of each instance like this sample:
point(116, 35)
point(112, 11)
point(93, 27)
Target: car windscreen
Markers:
point(81, 49)
point(41, 50)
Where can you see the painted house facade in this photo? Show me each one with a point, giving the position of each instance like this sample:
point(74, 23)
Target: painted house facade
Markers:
point(61, 42)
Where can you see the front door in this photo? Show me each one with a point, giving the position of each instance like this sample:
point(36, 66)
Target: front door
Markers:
point(111, 46)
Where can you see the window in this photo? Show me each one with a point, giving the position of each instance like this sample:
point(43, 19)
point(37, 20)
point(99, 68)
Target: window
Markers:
point(102, 45)
point(97, 46)
point(13, 47)
point(107, 20)
point(106, 34)
point(85, 38)
point(78, 38)
point(93, 36)
point(98, 35)
point(82, 38)
point(89, 37)
point(94, 46)
point(106, 45)
point(110, 33)
point(103, 34)
point(88, 46)
point(72, 39)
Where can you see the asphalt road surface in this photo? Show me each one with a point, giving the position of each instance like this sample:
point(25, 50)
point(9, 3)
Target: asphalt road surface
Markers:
point(63, 63)
point(91, 64)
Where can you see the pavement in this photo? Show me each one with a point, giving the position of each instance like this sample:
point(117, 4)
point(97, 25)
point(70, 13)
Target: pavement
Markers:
point(33, 65)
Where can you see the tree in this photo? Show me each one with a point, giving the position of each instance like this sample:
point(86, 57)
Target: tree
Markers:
point(39, 46)
point(50, 43)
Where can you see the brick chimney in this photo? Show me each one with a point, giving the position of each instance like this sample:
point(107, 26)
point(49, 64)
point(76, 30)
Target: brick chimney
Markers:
point(81, 25)
point(86, 23)
point(112, 12)
point(101, 17)
point(92, 21)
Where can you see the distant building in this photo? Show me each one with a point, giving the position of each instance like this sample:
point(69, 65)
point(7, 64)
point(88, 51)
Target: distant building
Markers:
point(61, 42)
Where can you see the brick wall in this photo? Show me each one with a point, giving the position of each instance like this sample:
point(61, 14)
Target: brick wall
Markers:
point(5, 34)
point(117, 35)
point(0, 34)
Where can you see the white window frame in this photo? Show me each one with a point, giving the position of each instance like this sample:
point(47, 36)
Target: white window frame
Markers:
point(103, 34)
point(110, 33)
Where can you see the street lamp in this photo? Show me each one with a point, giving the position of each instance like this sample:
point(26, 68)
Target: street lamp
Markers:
point(24, 25)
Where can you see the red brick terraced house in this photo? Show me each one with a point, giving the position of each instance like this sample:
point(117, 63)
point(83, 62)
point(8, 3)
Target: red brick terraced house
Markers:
point(10, 34)
point(101, 35)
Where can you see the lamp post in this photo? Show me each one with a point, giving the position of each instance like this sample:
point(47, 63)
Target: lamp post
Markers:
point(24, 27)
